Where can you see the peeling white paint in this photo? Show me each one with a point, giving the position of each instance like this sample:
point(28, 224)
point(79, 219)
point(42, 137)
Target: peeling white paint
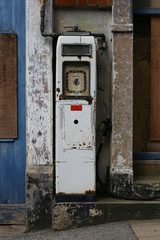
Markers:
point(120, 160)
point(95, 212)
point(38, 89)
point(119, 170)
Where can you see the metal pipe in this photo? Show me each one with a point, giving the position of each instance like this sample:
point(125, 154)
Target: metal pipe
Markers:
point(42, 3)
point(42, 25)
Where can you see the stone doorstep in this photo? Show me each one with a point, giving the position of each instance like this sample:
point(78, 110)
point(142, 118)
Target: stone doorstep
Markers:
point(147, 185)
point(70, 215)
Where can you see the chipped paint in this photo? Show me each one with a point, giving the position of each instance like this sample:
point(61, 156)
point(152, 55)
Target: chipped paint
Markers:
point(120, 160)
point(39, 111)
point(38, 89)
point(95, 212)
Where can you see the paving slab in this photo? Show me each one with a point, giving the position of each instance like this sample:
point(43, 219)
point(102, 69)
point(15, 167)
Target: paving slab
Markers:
point(146, 229)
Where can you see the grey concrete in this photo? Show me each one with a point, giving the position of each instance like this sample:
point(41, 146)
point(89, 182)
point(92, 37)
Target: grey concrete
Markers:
point(146, 229)
point(109, 231)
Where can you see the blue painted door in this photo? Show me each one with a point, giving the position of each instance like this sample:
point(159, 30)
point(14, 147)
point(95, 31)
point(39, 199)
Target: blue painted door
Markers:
point(13, 151)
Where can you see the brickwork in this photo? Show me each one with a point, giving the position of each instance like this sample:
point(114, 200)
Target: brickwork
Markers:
point(84, 2)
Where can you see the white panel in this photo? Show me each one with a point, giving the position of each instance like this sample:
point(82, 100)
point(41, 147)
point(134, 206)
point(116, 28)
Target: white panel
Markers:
point(75, 130)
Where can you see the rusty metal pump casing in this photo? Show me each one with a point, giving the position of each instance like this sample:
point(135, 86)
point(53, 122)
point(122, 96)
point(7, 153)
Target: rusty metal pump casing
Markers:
point(76, 117)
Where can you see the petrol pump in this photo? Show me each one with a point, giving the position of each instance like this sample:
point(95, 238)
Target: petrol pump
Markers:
point(76, 86)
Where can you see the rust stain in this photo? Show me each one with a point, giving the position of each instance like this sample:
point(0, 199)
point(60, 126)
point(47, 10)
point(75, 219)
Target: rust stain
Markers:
point(60, 97)
point(46, 88)
point(58, 90)
point(79, 57)
point(90, 100)
point(61, 193)
point(90, 192)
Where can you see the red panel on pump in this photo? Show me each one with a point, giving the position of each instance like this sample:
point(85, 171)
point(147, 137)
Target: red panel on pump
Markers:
point(76, 108)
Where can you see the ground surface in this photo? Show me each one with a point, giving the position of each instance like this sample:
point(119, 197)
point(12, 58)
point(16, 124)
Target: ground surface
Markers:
point(132, 230)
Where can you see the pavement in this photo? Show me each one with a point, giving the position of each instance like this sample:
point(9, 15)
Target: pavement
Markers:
point(130, 230)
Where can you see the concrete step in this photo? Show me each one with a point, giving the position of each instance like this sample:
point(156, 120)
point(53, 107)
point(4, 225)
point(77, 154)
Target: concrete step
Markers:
point(105, 209)
point(147, 177)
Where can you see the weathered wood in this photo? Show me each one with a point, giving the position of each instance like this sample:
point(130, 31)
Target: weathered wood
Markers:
point(8, 86)
point(147, 162)
point(146, 169)
point(13, 154)
point(141, 106)
point(13, 214)
point(147, 4)
point(155, 79)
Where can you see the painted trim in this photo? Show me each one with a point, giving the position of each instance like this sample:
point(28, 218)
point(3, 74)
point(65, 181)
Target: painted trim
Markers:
point(146, 156)
point(146, 11)
point(6, 31)
point(7, 140)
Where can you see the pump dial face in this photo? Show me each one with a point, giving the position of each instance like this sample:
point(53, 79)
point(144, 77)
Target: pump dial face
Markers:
point(76, 79)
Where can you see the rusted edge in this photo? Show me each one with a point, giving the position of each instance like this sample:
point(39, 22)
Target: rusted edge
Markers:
point(90, 100)
point(90, 192)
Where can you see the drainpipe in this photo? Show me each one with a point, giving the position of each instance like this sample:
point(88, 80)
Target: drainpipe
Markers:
point(42, 26)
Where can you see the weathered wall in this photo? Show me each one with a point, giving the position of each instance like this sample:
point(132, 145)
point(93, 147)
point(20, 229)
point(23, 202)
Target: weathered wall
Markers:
point(39, 104)
point(121, 172)
point(39, 97)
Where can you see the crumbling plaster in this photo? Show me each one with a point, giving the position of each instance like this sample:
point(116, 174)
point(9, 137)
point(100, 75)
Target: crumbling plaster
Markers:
point(39, 90)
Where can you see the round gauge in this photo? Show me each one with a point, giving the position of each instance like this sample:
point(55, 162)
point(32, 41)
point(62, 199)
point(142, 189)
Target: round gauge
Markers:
point(76, 79)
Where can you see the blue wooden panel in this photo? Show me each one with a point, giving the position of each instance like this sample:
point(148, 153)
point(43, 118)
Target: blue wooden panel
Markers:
point(146, 11)
point(7, 140)
point(5, 15)
point(20, 144)
point(6, 177)
point(13, 153)
point(12, 214)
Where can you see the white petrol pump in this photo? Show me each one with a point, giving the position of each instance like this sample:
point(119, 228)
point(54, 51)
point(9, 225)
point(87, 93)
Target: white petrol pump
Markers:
point(76, 87)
